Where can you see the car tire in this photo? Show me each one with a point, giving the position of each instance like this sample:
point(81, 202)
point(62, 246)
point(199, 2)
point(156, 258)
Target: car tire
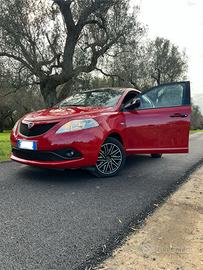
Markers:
point(156, 155)
point(111, 159)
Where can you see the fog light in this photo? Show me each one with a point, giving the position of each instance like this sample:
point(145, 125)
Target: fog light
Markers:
point(70, 153)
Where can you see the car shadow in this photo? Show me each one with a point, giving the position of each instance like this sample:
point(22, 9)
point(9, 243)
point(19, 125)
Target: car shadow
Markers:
point(52, 176)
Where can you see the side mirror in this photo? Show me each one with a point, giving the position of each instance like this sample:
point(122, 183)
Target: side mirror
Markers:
point(133, 105)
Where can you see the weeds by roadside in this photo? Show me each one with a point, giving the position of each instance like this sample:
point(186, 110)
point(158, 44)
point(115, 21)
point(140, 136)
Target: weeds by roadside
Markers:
point(5, 148)
point(196, 130)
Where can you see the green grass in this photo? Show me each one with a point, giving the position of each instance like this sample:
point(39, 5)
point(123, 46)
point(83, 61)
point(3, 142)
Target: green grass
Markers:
point(196, 130)
point(5, 147)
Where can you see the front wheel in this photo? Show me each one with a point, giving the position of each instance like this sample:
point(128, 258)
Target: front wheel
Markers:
point(111, 159)
point(156, 155)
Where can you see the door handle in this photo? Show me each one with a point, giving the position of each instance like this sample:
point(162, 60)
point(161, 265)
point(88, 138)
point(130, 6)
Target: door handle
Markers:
point(179, 115)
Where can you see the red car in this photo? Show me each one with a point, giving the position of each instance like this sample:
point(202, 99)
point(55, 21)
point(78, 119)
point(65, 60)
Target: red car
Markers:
point(97, 129)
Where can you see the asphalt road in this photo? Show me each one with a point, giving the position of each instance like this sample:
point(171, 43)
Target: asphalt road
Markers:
point(62, 220)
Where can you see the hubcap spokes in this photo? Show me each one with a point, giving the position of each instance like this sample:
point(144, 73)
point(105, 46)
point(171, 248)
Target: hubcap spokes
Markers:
point(110, 158)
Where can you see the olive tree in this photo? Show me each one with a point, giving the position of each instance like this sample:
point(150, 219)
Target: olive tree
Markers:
point(128, 67)
point(147, 63)
point(167, 63)
point(53, 42)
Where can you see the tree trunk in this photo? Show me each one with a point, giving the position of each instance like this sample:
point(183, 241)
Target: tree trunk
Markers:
point(12, 121)
point(1, 126)
point(113, 81)
point(48, 91)
point(158, 77)
point(66, 90)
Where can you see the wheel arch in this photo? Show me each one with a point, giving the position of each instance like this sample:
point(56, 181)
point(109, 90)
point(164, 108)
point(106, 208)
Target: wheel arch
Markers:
point(116, 135)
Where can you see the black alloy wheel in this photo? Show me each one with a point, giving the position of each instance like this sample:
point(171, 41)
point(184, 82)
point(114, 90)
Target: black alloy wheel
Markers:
point(111, 158)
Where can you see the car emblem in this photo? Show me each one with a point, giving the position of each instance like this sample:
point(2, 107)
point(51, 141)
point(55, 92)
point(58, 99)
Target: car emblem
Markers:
point(30, 125)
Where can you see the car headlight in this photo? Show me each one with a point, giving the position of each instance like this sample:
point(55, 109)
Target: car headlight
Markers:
point(76, 125)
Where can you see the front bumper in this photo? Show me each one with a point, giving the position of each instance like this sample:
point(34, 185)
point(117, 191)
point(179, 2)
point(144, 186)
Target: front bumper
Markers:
point(70, 164)
point(58, 155)
point(51, 149)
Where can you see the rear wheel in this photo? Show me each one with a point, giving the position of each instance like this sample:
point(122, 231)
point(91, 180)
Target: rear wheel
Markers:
point(111, 159)
point(156, 155)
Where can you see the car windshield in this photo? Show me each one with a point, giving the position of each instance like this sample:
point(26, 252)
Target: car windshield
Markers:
point(94, 98)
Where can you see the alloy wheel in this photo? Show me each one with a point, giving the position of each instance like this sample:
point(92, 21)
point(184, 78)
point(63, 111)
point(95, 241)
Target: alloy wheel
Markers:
point(110, 158)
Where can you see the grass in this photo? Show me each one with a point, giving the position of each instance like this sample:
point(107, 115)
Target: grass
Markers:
point(196, 130)
point(5, 147)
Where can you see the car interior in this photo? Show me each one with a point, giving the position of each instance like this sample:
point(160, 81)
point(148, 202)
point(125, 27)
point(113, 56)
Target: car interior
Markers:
point(158, 98)
point(129, 98)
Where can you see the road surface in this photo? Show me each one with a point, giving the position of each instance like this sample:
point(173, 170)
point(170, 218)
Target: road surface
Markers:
point(55, 220)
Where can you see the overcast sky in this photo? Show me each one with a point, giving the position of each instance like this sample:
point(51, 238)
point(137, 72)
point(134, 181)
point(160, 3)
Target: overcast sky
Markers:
point(181, 21)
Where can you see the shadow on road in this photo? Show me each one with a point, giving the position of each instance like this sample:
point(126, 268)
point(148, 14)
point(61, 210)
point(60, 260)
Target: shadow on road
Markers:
point(68, 176)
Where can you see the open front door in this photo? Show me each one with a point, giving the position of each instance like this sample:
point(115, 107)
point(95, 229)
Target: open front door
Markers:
point(162, 122)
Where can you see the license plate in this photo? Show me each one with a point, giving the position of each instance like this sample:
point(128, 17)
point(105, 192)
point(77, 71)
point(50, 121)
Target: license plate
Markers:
point(28, 145)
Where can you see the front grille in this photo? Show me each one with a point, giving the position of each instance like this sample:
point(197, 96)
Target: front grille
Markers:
point(36, 130)
point(58, 155)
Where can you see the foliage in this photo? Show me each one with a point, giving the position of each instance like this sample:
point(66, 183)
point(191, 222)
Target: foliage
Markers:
point(5, 147)
point(14, 104)
point(144, 64)
point(166, 62)
point(196, 118)
point(196, 131)
point(54, 44)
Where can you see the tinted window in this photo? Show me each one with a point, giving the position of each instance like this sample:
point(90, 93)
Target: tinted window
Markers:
point(95, 98)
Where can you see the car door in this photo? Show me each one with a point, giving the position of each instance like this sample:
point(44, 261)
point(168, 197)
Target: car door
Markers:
point(161, 123)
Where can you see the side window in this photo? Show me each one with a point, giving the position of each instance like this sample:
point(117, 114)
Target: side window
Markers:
point(163, 96)
point(146, 103)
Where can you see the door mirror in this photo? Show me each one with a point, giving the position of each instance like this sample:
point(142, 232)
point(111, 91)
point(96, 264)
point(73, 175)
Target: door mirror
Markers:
point(135, 103)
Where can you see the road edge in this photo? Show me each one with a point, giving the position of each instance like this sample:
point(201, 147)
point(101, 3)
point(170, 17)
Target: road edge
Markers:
point(171, 237)
point(139, 220)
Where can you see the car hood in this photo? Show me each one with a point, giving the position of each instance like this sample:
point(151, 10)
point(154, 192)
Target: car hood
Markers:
point(53, 114)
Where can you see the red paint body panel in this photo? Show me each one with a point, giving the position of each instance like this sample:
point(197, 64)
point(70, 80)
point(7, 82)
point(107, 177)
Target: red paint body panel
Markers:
point(56, 114)
point(155, 131)
point(143, 131)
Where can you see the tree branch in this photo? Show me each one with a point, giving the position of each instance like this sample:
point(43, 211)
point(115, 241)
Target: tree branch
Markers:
point(17, 58)
point(96, 55)
point(96, 5)
point(117, 76)
point(65, 9)
point(110, 75)
point(17, 88)
point(100, 25)
point(6, 114)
